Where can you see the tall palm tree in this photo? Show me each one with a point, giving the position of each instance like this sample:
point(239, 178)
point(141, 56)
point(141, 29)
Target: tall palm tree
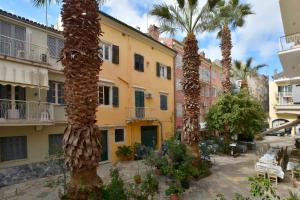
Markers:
point(187, 16)
point(81, 61)
point(243, 71)
point(227, 16)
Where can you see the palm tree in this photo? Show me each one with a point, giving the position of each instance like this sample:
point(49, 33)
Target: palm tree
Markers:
point(227, 16)
point(243, 71)
point(81, 61)
point(187, 17)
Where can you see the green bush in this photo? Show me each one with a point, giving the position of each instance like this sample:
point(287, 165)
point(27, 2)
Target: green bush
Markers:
point(243, 114)
point(124, 152)
point(174, 188)
point(115, 189)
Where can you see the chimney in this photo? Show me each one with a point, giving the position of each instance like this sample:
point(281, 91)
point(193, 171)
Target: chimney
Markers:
point(153, 32)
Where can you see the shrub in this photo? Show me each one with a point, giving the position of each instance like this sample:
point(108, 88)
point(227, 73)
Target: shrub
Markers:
point(243, 114)
point(174, 188)
point(124, 152)
point(115, 189)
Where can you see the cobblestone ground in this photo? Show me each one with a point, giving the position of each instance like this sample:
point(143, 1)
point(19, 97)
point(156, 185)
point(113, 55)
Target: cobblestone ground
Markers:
point(229, 176)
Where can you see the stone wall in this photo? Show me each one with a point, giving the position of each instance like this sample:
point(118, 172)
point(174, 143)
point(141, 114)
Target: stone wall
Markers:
point(22, 173)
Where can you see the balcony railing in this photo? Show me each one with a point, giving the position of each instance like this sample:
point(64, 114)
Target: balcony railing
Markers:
point(25, 111)
point(141, 113)
point(285, 94)
point(290, 42)
point(23, 50)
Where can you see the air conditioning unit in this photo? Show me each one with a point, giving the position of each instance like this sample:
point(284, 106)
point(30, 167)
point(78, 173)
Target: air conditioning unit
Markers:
point(44, 57)
point(148, 95)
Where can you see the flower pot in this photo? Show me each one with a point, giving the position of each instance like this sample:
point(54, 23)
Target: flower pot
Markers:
point(185, 184)
point(174, 197)
point(137, 179)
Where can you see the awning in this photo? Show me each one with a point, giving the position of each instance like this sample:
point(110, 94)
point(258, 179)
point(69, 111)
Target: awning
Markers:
point(23, 85)
point(23, 75)
point(283, 126)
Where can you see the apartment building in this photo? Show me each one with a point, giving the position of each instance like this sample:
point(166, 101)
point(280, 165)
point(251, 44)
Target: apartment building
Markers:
point(285, 90)
point(210, 79)
point(136, 90)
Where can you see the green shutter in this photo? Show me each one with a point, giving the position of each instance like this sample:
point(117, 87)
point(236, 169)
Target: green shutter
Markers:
point(115, 91)
point(169, 73)
point(115, 54)
point(163, 102)
point(158, 69)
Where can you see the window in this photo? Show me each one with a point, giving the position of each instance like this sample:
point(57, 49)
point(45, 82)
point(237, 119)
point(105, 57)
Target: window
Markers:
point(179, 62)
point(179, 109)
point(56, 92)
point(55, 144)
point(106, 50)
point(13, 148)
point(138, 62)
point(163, 102)
point(55, 46)
point(206, 91)
point(109, 95)
point(13, 39)
point(119, 135)
point(163, 71)
point(178, 85)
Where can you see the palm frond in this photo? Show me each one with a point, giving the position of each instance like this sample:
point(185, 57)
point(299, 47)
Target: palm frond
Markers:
point(181, 3)
point(162, 12)
point(249, 62)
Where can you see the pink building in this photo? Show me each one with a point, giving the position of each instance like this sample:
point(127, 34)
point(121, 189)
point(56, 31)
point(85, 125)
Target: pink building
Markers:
point(210, 77)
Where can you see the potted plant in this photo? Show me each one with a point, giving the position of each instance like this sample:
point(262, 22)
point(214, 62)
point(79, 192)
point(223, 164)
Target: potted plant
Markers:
point(174, 190)
point(125, 153)
point(137, 179)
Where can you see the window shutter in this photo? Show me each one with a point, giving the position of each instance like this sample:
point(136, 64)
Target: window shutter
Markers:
point(169, 73)
point(115, 91)
point(115, 54)
point(141, 63)
point(158, 69)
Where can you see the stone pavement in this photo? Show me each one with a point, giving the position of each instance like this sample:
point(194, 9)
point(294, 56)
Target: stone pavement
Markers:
point(229, 176)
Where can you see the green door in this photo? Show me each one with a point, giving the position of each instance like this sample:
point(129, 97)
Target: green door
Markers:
point(104, 143)
point(139, 104)
point(149, 136)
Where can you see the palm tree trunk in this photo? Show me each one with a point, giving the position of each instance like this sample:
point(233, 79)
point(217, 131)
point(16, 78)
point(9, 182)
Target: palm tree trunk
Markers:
point(191, 90)
point(226, 46)
point(81, 61)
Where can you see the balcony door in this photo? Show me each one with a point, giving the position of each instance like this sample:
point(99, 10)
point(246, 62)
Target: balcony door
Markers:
point(139, 104)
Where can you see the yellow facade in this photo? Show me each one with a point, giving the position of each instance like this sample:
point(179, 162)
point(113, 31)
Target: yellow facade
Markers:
point(128, 80)
point(280, 108)
point(109, 117)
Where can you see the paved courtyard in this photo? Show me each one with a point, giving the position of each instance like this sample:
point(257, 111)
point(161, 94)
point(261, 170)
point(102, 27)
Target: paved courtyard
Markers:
point(229, 176)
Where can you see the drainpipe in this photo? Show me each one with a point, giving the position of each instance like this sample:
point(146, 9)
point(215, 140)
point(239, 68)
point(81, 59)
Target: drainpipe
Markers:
point(174, 94)
point(161, 132)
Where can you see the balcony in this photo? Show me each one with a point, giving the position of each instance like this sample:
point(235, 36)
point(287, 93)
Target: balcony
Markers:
point(285, 94)
point(289, 54)
point(287, 108)
point(23, 50)
point(14, 112)
point(141, 114)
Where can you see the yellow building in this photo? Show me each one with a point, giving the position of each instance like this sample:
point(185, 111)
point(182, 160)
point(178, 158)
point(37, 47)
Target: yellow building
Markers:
point(136, 90)
point(284, 104)
point(284, 90)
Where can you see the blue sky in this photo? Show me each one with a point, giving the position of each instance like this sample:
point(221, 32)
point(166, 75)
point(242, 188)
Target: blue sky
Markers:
point(259, 38)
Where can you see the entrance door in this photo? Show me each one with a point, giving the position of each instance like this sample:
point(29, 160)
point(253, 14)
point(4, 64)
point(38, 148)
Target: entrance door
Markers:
point(104, 145)
point(149, 136)
point(139, 104)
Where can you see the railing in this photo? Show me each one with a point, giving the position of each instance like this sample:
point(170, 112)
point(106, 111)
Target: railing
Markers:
point(141, 113)
point(27, 111)
point(285, 94)
point(23, 50)
point(290, 42)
